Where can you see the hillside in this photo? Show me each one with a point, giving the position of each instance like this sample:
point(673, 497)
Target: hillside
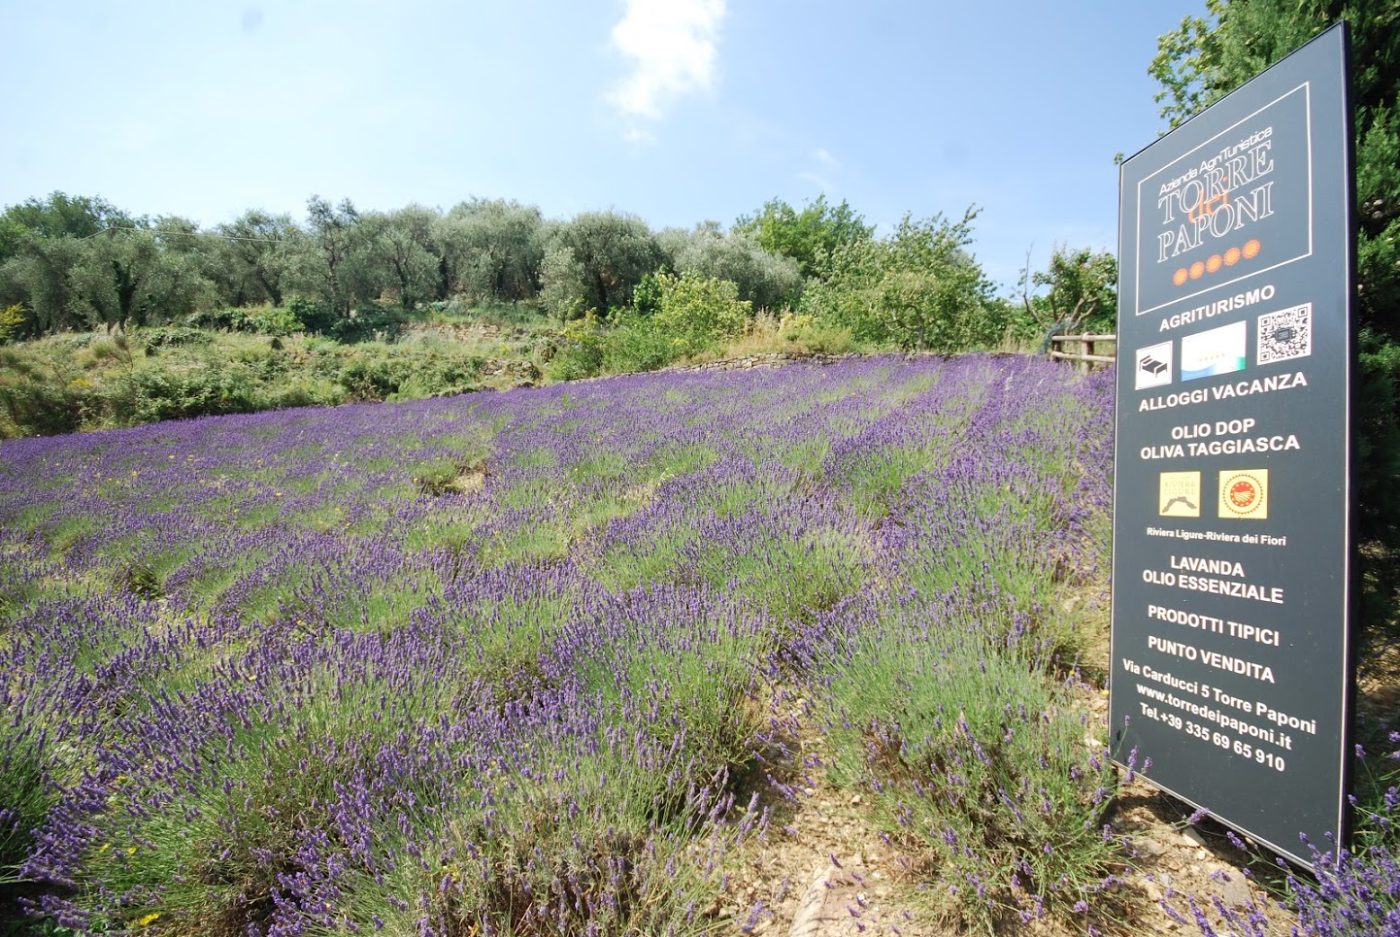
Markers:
point(620, 657)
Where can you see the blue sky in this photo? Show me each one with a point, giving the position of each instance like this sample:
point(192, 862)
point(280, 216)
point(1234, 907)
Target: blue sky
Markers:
point(676, 110)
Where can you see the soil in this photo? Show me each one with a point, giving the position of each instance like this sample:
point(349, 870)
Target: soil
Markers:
point(825, 868)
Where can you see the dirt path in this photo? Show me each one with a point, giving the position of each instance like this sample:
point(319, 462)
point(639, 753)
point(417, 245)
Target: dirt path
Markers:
point(825, 870)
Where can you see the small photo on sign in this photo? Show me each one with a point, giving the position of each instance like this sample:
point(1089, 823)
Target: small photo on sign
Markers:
point(1213, 352)
point(1244, 493)
point(1179, 494)
point(1285, 335)
point(1154, 366)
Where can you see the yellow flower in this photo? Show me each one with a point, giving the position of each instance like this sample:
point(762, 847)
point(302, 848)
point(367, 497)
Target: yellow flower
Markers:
point(103, 848)
point(131, 850)
point(147, 919)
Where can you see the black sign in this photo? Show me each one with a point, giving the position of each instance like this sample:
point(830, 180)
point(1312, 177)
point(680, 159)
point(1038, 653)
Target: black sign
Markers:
point(1231, 664)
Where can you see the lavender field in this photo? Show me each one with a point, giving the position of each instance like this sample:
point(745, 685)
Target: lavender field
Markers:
point(524, 663)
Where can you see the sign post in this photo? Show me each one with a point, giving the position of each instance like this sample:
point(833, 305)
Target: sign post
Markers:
point(1231, 658)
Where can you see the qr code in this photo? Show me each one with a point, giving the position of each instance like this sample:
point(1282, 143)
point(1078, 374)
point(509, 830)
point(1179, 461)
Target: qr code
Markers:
point(1285, 335)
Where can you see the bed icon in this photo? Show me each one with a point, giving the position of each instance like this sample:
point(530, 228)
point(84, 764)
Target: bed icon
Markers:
point(1151, 365)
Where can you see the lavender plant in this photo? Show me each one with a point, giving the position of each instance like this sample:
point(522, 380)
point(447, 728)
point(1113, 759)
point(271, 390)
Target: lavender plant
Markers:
point(501, 664)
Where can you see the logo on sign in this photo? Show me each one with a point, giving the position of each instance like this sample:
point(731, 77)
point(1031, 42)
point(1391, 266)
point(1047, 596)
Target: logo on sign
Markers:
point(1237, 204)
point(1213, 352)
point(1245, 494)
point(1154, 366)
point(1179, 494)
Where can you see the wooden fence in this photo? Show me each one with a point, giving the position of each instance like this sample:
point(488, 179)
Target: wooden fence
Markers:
point(1085, 351)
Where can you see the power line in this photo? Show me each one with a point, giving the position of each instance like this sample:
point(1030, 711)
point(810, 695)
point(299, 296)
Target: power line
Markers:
point(191, 234)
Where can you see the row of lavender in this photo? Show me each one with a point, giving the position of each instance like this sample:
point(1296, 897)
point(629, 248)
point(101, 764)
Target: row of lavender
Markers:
point(512, 663)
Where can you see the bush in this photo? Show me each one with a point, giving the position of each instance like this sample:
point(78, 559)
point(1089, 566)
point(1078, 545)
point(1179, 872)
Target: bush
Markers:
point(638, 344)
point(805, 334)
point(172, 336)
point(380, 372)
point(370, 323)
point(695, 312)
point(315, 317)
point(581, 353)
point(440, 375)
point(264, 320)
point(918, 289)
point(11, 319)
point(272, 320)
point(366, 378)
point(206, 389)
point(227, 319)
point(41, 400)
point(1378, 497)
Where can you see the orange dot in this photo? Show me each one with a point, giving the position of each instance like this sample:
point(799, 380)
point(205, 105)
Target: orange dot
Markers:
point(1198, 270)
point(1232, 256)
point(1179, 277)
point(1251, 249)
point(1213, 263)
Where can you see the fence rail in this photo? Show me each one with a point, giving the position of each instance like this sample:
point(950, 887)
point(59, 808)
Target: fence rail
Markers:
point(1090, 350)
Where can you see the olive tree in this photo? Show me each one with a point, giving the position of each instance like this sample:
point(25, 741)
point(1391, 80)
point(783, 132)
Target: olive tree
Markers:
point(595, 261)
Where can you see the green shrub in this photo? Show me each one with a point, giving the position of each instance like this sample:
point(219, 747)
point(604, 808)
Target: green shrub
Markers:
point(204, 389)
point(173, 336)
point(1378, 497)
point(272, 320)
point(315, 317)
point(696, 312)
point(11, 319)
point(917, 289)
point(440, 375)
point(369, 323)
point(226, 319)
point(581, 353)
point(41, 398)
point(365, 378)
point(638, 344)
point(818, 338)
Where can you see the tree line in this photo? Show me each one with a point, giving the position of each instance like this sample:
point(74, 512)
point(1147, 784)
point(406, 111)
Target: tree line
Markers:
point(71, 262)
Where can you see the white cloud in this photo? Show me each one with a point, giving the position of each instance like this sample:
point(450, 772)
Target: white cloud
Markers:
point(822, 177)
point(673, 46)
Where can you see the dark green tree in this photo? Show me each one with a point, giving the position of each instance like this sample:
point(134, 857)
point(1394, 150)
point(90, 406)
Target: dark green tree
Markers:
point(397, 253)
point(124, 278)
point(765, 279)
point(493, 249)
point(253, 257)
point(40, 243)
point(326, 263)
point(1207, 57)
point(596, 260)
point(39, 278)
point(58, 215)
